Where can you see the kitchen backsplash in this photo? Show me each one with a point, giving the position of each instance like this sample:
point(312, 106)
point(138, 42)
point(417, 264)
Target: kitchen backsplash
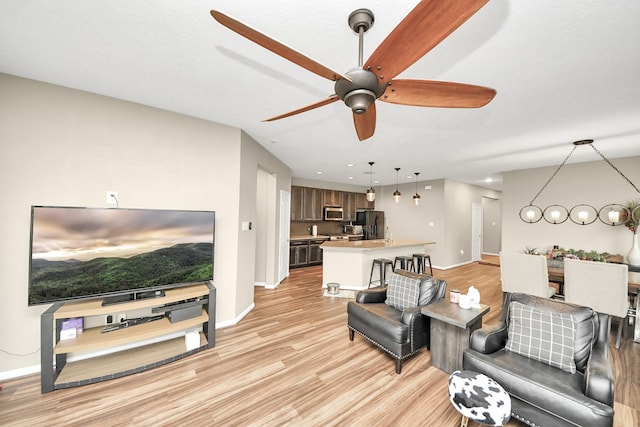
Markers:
point(324, 228)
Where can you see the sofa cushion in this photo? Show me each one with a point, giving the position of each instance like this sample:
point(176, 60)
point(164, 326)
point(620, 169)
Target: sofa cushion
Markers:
point(429, 286)
point(585, 318)
point(547, 337)
point(402, 291)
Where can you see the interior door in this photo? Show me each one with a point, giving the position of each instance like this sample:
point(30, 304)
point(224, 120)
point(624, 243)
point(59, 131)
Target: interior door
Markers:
point(476, 231)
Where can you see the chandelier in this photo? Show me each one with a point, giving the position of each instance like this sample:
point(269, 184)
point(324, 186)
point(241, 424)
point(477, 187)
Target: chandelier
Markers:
point(583, 214)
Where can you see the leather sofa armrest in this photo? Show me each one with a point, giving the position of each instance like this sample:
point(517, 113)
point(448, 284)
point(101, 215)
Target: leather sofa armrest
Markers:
point(598, 375)
point(369, 296)
point(410, 313)
point(490, 338)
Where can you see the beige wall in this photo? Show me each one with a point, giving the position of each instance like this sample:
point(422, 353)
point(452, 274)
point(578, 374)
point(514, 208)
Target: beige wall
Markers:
point(443, 216)
point(594, 183)
point(66, 147)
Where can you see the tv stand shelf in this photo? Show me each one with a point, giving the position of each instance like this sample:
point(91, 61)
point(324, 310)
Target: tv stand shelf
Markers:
point(154, 343)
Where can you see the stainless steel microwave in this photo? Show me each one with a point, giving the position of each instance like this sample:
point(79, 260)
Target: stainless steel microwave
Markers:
point(333, 213)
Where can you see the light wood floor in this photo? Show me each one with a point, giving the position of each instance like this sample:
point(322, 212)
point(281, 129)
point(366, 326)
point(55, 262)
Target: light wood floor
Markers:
point(289, 362)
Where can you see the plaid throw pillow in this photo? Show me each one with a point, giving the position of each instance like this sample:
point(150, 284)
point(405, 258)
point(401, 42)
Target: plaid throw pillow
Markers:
point(402, 292)
point(545, 337)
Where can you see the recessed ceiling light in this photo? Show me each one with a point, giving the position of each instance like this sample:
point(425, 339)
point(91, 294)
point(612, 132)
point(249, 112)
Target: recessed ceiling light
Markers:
point(409, 176)
point(488, 180)
point(375, 181)
point(349, 165)
point(319, 173)
point(350, 177)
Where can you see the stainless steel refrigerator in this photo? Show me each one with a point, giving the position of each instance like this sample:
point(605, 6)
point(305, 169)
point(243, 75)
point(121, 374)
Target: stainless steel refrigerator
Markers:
point(372, 224)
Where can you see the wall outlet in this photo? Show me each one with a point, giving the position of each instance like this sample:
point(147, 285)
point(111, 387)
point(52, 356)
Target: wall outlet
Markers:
point(112, 197)
point(122, 317)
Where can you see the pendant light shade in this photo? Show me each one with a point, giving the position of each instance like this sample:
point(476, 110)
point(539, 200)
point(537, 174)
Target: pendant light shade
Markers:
point(371, 193)
point(416, 197)
point(397, 194)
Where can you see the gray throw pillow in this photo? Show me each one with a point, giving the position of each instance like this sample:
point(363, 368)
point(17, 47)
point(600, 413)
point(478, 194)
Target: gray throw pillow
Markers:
point(402, 292)
point(547, 337)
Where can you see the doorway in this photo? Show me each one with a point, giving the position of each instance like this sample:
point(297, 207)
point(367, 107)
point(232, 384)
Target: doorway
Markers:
point(265, 256)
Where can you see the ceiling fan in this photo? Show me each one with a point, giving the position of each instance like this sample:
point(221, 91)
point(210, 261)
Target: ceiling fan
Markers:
point(430, 22)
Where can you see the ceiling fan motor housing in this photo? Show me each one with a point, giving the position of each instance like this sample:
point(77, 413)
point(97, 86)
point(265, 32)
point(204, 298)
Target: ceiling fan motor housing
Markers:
point(361, 92)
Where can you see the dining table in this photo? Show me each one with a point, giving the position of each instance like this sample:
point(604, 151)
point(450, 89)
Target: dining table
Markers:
point(634, 278)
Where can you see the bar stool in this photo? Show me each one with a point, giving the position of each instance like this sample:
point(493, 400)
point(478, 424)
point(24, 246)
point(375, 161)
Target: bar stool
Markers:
point(406, 263)
point(421, 266)
point(383, 263)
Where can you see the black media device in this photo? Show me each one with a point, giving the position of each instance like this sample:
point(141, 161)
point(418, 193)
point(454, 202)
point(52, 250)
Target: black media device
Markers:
point(118, 254)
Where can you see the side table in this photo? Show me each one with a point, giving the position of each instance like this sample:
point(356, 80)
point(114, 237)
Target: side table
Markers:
point(451, 327)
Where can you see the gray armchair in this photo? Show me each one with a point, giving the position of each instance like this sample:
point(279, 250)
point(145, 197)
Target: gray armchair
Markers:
point(401, 333)
point(544, 395)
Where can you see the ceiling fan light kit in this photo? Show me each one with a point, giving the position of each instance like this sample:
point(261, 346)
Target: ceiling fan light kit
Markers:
point(582, 214)
point(360, 87)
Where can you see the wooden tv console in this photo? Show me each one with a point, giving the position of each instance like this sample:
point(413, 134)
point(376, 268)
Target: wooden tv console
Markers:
point(130, 350)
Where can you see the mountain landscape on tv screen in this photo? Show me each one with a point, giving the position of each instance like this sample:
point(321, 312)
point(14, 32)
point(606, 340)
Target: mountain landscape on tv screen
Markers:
point(69, 279)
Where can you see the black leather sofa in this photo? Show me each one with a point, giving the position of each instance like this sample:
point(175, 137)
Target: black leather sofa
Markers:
point(401, 333)
point(543, 395)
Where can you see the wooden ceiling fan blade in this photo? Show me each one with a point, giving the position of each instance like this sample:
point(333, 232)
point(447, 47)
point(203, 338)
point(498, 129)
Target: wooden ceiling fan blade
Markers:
point(365, 123)
point(430, 22)
point(329, 100)
point(428, 93)
point(277, 47)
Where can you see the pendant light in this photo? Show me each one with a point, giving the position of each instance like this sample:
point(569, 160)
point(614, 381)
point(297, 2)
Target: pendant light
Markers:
point(416, 197)
point(397, 194)
point(371, 193)
point(583, 214)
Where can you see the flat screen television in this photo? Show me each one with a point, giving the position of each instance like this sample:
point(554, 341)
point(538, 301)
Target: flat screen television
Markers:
point(124, 254)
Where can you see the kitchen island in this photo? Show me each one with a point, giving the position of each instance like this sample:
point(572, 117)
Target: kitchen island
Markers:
point(349, 263)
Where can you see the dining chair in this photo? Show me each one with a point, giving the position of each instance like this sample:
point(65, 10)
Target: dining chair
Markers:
point(599, 285)
point(525, 273)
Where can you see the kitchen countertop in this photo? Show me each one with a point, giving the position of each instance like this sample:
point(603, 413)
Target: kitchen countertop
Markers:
point(309, 237)
point(372, 244)
point(320, 236)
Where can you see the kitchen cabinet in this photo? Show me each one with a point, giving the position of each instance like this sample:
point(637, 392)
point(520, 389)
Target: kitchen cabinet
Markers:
point(349, 206)
point(315, 252)
point(298, 253)
point(312, 204)
point(297, 203)
point(363, 203)
point(333, 198)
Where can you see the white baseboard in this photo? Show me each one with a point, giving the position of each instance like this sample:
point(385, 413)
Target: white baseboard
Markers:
point(237, 319)
point(22, 372)
point(454, 265)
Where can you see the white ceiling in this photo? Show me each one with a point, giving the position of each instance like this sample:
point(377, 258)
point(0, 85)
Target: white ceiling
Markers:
point(563, 71)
